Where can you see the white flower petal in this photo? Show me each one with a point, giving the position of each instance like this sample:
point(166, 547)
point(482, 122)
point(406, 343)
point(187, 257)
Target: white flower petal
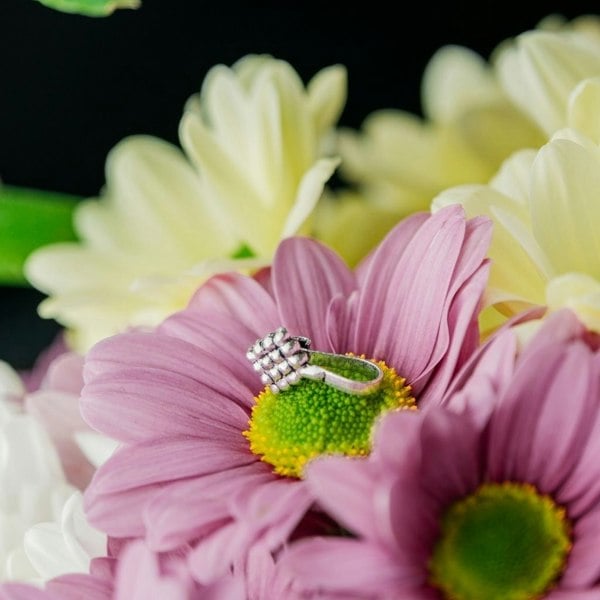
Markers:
point(11, 385)
point(97, 447)
point(65, 546)
point(47, 552)
point(84, 540)
point(18, 567)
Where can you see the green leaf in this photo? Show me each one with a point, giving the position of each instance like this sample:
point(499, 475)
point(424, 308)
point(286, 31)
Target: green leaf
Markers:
point(90, 8)
point(30, 219)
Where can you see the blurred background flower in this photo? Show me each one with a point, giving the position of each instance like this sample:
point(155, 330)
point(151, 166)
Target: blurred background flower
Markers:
point(252, 174)
point(76, 86)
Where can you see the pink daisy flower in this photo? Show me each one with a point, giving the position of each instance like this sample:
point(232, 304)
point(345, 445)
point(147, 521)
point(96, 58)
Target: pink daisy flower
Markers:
point(17, 591)
point(447, 507)
point(140, 575)
point(211, 457)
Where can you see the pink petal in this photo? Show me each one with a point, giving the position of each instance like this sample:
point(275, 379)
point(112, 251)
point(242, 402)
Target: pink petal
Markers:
point(259, 574)
point(103, 567)
point(139, 578)
point(161, 353)
point(580, 492)
point(80, 587)
point(480, 382)
point(477, 238)
point(396, 444)
point(119, 514)
point(455, 340)
point(65, 373)
point(385, 255)
point(272, 510)
point(228, 588)
point(267, 514)
point(561, 594)
point(133, 404)
point(343, 566)
point(461, 333)
point(212, 557)
point(400, 309)
point(224, 339)
point(187, 510)
point(344, 487)
point(559, 327)
point(17, 591)
point(583, 566)
point(409, 518)
point(450, 465)
point(516, 416)
point(241, 298)
point(426, 460)
point(553, 456)
point(167, 460)
point(34, 378)
point(468, 284)
point(523, 441)
point(265, 279)
point(306, 276)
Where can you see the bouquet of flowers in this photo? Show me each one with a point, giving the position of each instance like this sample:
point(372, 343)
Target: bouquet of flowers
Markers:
point(272, 388)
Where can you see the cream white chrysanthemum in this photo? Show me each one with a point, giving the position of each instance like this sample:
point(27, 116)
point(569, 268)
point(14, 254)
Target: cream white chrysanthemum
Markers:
point(546, 242)
point(43, 531)
point(476, 115)
point(252, 172)
point(540, 69)
point(470, 126)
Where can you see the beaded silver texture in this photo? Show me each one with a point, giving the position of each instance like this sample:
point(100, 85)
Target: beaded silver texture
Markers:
point(283, 360)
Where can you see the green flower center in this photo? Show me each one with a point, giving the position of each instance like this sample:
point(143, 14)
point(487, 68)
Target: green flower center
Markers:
point(504, 542)
point(312, 418)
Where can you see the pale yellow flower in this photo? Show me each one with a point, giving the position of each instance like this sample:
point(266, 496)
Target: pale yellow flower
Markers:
point(476, 114)
point(255, 140)
point(470, 126)
point(540, 69)
point(546, 242)
point(352, 226)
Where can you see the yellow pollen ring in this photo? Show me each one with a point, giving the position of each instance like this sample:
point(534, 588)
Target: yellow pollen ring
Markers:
point(311, 418)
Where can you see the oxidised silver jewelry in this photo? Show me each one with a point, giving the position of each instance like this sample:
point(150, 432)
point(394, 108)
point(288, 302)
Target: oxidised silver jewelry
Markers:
point(282, 360)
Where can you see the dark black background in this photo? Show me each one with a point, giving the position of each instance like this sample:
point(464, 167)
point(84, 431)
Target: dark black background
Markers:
point(72, 86)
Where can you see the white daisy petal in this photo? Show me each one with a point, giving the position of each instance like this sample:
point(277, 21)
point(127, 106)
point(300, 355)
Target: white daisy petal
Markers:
point(96, 447)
